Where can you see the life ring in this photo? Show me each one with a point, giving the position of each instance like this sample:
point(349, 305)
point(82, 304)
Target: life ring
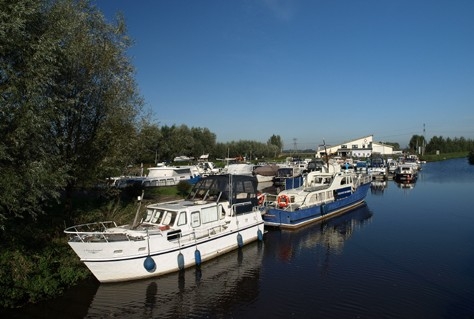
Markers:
point(261, 198)
point(283, 201)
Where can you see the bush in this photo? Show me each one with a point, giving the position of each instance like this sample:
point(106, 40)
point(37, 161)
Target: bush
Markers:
point(184, 188)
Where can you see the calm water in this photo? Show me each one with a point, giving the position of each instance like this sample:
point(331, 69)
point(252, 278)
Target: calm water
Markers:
point(409, 253)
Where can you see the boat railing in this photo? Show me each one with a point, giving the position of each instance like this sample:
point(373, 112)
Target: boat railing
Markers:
point(90, 227)
point(362, 179)
point(101, 232)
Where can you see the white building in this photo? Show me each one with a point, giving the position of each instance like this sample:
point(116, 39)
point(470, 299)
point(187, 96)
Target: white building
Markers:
point(359, 148)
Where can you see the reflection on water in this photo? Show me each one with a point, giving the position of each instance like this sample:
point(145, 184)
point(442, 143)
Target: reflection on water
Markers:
point(213, 289)
point(405, 184)
point(330, 235)
point(377, 186)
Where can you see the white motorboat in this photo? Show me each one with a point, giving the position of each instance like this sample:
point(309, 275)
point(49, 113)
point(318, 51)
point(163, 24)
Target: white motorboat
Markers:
point(221, 214)
point(163, 175)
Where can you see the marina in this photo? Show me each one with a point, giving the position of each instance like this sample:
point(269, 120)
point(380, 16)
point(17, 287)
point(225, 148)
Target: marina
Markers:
point(407, 253)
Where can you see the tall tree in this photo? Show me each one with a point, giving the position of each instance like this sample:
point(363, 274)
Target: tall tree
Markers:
point(68, 100)
point(276, 140)
point(416, 143)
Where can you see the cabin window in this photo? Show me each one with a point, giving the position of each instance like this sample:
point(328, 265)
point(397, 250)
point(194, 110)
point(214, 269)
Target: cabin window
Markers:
point(209, 214)
point(244, 190)
point(156, 217)
point(195, 219)
point(149, 214)
point(166, 218)
point(182, 220)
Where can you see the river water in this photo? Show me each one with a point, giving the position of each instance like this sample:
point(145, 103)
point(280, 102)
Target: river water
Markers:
point(407, 253)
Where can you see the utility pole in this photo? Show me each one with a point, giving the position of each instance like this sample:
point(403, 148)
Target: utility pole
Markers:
point(424, 141)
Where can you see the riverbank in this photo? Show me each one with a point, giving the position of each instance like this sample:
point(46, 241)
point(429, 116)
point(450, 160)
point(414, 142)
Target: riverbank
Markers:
point(443, 156)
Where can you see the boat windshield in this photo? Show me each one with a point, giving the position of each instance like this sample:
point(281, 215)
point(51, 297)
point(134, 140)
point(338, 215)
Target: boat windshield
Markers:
point(158, 216)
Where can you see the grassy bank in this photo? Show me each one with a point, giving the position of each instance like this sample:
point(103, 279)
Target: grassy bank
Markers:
point(443, 156)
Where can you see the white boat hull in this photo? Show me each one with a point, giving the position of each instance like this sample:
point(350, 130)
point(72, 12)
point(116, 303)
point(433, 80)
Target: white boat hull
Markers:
point(125, 260)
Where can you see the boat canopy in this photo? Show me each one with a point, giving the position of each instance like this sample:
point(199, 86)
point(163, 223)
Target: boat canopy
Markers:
point(217, 187)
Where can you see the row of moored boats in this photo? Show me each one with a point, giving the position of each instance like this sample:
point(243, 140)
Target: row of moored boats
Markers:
point(223, 212)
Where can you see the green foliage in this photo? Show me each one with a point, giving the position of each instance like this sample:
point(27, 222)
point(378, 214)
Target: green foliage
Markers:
point(31, 173)
point(470, 157)
point(416, 142)
point(69, 101)
point(184, 188)
point(276, 141)
point(442, 156)
point(32, 273)
point(449, 145)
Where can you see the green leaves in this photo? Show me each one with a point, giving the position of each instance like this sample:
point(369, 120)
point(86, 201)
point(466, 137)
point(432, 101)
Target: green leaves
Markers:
point(68, 101)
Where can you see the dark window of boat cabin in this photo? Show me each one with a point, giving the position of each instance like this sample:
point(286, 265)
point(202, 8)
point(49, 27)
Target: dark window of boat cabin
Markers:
point(149, 214)
point(195, 219)
point(156, 217)
point(212, 194)
point(182, 220)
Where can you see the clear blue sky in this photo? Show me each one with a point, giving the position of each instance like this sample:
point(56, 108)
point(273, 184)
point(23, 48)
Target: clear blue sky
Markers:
point(305, 70)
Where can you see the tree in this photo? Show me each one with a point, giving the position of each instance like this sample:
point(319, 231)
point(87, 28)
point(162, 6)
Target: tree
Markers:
point(275, 140)
point(68, 100)
point(416, 142)
point(148, 143)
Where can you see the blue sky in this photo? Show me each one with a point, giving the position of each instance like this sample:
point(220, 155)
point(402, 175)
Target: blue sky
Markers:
point(305, 70)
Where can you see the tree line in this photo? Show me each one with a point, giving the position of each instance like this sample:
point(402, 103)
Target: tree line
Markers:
point(440, 144)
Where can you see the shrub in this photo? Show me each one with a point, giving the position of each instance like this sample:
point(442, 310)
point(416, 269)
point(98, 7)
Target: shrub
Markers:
point(184, 188)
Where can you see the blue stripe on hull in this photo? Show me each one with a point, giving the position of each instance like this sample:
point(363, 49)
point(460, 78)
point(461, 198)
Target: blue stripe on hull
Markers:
point(293, 219)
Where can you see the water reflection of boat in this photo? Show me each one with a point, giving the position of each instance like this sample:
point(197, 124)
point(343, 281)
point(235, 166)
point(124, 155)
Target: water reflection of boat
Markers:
point(377, 186)
point(329, 235)
point(405, 184)
point(222, 281)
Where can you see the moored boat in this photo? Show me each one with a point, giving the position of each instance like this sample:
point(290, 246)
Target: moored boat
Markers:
point(323, 195)
point(406, 173)
point(163, 175)
point(288, 177)
point(221, 214)
point(266, 172)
